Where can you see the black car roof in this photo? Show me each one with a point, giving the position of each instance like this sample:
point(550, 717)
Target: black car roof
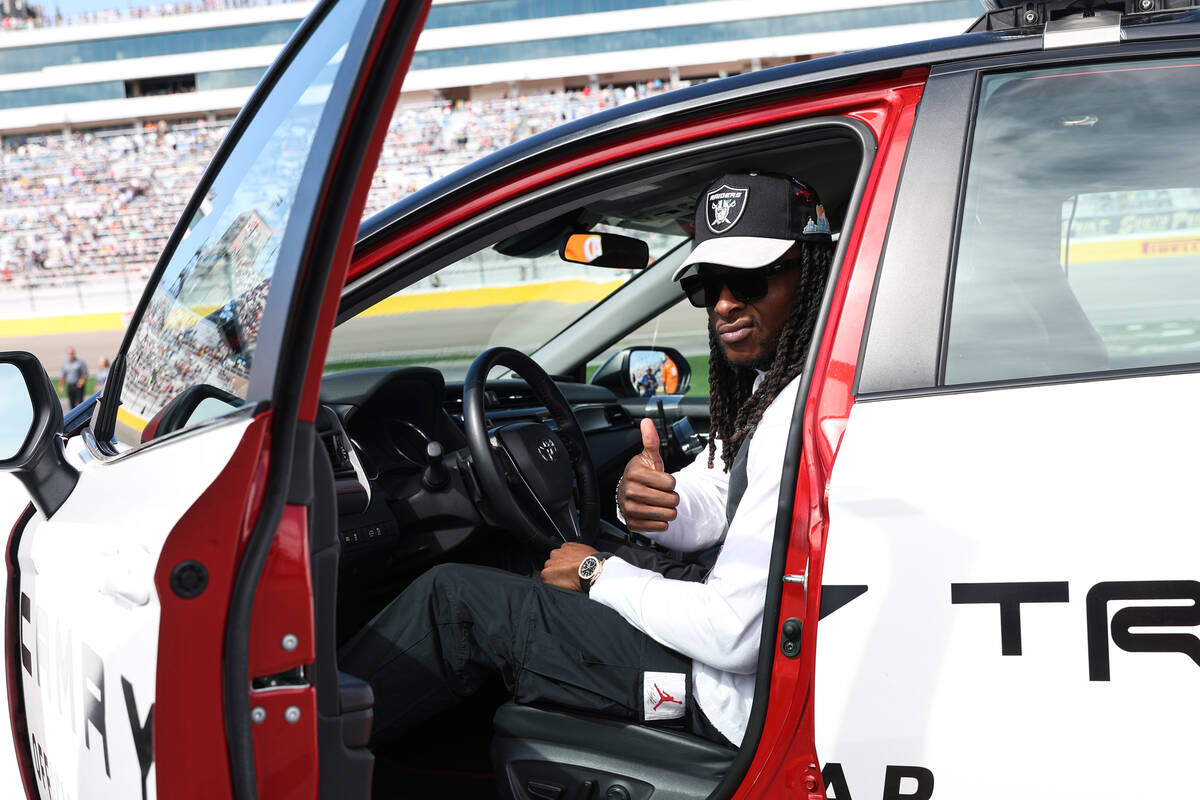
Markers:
point(710, 97)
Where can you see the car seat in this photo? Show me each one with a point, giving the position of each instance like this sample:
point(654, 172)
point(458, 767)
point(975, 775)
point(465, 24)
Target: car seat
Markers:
point(540, 754)
point(1017, 320)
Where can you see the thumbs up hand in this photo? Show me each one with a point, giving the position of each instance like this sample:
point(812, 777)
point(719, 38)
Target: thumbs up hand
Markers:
point(647, 496)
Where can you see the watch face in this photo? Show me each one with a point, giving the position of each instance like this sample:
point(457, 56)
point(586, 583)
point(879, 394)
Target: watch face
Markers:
point(587, 567)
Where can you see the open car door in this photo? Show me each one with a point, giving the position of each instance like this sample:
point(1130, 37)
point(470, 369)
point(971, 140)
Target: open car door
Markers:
point(556, 753)
point(160, 626)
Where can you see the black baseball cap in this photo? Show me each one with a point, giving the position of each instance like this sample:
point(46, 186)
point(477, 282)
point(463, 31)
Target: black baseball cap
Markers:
point(749, 220)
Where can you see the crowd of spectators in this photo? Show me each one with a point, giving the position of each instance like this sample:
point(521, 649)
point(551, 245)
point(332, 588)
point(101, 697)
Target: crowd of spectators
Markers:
point(100, 202)
point(82, 204)
point(425, 144)
point(175, 353)
point(74, 205)
point(182, 341)
point(47, 15)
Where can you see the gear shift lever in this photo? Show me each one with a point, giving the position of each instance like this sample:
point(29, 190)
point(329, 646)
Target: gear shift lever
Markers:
point(435, 476)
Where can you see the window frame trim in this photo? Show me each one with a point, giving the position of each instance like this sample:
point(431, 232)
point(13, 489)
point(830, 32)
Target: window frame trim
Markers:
point(983, 67)
point(1041, 380)
point(101, 428)
point(896, 343)
point(956, 244)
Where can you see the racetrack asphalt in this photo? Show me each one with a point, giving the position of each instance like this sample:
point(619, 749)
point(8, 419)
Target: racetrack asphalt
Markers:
point(416, 334)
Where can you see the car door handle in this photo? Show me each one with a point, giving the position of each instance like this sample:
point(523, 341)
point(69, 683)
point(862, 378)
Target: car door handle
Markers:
point(126, 570)
point(129, 591)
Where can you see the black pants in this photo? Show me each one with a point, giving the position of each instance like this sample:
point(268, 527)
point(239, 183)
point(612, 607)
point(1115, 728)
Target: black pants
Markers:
point(74, 394)
point(457, 625)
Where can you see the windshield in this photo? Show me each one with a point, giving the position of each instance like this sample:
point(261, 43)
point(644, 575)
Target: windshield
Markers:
point(484, 300)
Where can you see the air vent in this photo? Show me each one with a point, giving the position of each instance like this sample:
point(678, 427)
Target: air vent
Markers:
point(339, 455)
point(494, 400)
point(617, 416)
point(509, 399)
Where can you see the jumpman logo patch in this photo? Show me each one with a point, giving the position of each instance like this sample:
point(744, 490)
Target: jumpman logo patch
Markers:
point(664, 695)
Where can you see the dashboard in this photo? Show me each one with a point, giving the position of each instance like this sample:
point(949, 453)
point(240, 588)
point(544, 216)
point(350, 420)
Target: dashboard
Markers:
point(395, 440)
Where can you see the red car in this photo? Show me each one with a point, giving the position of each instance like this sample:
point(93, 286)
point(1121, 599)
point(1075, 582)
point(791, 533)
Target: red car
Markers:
point(984, 575)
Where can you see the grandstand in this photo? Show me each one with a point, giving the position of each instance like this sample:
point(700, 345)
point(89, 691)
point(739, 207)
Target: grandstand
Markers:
point(108, 120)
point(87, 213)
point(170, 61)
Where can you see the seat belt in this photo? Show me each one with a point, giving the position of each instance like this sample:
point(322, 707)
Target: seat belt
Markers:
point(738, 481)
point(737, 486)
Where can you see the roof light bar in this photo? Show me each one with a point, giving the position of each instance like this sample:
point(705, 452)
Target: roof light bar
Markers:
point(1001, 15)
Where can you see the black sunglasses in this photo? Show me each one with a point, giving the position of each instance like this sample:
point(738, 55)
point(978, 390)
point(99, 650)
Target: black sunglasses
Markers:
point(703, 289)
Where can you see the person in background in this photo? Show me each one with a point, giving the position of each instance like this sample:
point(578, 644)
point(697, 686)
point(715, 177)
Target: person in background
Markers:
point(101, 375)
point(670, 375)
point(648, 383)
point(74, 376)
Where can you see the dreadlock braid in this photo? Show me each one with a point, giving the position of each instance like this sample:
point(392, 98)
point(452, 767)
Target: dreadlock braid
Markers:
point(735, 409)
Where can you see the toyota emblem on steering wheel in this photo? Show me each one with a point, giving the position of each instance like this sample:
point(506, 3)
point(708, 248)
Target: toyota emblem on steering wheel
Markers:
point(547, 450)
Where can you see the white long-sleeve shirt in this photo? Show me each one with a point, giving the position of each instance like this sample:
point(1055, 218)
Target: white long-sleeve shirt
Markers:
point(716, 623)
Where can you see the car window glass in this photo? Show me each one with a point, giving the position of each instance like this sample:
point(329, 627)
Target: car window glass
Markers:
point(202, 322)
point(682, 327)
point(1080, 242)
point(483, 300)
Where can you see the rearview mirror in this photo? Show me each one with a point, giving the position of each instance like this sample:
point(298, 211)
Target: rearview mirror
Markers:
point(605, 250)
point(31, 419)
point(645, 372)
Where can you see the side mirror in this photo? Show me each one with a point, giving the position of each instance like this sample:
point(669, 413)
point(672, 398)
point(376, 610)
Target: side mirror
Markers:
point(193, 405)
point(31, 418)
point(605, 250)
point(645, 372)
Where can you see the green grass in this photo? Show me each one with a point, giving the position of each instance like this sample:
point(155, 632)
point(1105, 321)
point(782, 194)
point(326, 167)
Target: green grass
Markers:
point(699, 385)
point(89, 387)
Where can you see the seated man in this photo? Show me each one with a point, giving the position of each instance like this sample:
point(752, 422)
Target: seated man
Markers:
point(598, 633)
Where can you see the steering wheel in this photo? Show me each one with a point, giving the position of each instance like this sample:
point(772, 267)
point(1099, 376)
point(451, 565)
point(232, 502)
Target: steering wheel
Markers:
point(525, 469)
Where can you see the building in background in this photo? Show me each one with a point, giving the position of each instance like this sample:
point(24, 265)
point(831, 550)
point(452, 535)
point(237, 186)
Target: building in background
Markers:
point(147, 64)
point(107, 120)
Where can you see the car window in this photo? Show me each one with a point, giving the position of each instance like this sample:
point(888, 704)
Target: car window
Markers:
point(484, 300)
point(200, 328)
point(680, 326)
point(1079, 249)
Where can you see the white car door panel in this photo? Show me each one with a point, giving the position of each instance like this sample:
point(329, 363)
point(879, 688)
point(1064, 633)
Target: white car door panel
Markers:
point(1029, 557)
point(205, 342)
point(90, 613)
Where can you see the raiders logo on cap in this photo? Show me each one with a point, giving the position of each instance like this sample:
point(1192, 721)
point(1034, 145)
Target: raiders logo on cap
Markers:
point(725, 207)
point(732, 229)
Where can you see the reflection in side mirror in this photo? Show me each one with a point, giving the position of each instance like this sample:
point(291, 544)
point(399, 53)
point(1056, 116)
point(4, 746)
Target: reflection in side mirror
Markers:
point(31, 418)
point(646, 372)
point(16, 411)
point(653, 372)
point(605, 250)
